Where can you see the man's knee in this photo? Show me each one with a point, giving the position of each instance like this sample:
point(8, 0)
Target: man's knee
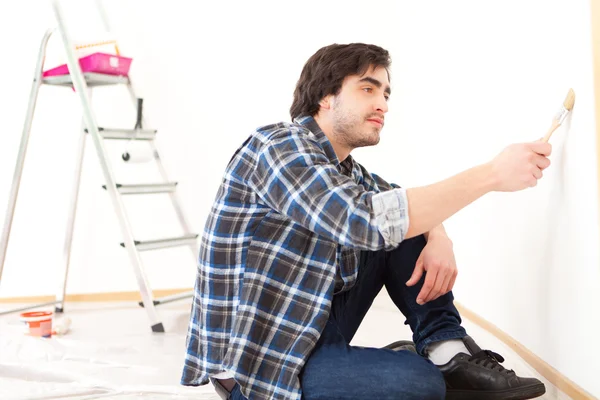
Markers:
point(434, 384)
point(425, 382)
point(367, 373)
point(418, 379)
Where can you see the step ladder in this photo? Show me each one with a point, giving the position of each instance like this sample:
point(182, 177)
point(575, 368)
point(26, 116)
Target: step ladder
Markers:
point(83, 83)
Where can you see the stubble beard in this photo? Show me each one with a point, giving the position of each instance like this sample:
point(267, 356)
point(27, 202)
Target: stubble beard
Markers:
point(350, 130)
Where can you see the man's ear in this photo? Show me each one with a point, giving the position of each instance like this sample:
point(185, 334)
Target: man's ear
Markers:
point(326, 102)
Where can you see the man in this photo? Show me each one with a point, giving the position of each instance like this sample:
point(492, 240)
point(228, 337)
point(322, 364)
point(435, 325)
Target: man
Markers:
point(301, 239)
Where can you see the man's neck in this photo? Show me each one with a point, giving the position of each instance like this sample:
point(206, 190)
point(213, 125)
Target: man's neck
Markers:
point(342, 152)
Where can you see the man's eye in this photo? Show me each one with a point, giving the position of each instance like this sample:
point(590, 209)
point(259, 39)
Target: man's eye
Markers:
point(368, 89)
point(387, 98)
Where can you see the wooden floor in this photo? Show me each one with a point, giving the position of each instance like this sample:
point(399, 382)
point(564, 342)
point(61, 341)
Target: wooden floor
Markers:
point(109, 353)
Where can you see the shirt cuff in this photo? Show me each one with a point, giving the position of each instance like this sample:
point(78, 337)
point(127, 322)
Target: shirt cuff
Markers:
point(391, 214)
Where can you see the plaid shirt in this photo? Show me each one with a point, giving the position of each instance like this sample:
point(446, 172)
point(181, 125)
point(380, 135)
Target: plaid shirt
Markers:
point(281, 239)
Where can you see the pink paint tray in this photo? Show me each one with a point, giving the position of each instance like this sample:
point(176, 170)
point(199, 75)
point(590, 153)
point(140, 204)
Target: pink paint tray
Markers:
point(101, 63)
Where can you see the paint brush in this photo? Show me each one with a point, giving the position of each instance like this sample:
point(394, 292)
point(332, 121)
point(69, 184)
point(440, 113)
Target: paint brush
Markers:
point(561, 114)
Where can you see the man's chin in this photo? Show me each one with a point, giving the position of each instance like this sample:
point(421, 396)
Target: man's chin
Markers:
point(367, 143)
point(375, 138)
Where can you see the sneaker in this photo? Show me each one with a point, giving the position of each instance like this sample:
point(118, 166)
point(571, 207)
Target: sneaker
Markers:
point(480, 376)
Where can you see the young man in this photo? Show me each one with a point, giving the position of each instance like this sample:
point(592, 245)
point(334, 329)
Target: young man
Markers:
point(301, 239)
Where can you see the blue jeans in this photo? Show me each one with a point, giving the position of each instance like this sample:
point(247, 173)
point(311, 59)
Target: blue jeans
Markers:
point(336, 370)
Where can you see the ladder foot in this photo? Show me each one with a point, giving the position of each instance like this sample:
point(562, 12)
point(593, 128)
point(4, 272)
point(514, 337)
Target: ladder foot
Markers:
point(156, 302)
point(158, 327)
point(58, 310)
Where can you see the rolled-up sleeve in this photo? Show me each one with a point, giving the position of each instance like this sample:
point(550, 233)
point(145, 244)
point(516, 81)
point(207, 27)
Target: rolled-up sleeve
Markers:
point(391, 213)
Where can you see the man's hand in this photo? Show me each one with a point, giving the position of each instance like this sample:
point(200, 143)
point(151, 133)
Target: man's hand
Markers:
point(521, 165)
point(437, 258)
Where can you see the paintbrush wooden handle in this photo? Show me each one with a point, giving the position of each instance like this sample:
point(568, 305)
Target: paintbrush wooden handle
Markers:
point(555, 125)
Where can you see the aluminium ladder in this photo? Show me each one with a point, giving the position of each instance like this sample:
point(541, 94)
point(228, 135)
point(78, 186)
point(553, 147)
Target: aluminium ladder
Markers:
point(83, 84)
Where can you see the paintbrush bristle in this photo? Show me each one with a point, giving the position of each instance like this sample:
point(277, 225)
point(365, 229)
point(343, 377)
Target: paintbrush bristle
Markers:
point(569, 100)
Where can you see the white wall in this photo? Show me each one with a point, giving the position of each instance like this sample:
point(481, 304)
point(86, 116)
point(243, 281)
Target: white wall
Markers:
point(468, 79)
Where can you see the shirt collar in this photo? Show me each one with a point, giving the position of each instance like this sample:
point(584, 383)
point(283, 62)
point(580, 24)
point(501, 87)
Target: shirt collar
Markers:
point(310, 123)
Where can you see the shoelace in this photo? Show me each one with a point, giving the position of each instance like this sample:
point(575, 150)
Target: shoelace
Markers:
point(491, 360)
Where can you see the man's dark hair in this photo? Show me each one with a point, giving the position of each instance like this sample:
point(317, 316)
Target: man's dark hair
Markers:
point(324, 73)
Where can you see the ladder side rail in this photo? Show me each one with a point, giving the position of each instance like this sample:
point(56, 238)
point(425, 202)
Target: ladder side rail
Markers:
point(174, 196)
point(62, 289)
point(14, 191)
point(91, 124)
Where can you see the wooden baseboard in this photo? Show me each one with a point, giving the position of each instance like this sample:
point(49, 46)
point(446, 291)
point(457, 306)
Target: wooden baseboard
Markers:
point(560, 381)
point(595, 26)
point(96, 297)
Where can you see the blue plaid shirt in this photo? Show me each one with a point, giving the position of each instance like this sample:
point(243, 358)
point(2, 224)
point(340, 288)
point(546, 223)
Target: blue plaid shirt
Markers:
point(281, 239)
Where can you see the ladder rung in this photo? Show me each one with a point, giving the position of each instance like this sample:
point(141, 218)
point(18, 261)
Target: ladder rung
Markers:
point(91, 78)
point(146, 188)
point(127, 134)
point(165, 243)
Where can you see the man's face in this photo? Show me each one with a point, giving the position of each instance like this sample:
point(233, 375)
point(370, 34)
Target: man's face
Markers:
point(358, 111)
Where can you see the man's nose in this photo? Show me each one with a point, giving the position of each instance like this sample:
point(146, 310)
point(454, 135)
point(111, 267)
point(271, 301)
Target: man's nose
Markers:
point(381, 105)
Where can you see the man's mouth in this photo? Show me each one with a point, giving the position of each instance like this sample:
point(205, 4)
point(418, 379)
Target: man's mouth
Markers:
point(376, 121)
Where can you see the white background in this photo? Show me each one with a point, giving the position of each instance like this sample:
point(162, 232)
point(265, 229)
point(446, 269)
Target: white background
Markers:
point(468, 78)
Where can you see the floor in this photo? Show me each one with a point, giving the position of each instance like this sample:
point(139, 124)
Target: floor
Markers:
point(110, 353)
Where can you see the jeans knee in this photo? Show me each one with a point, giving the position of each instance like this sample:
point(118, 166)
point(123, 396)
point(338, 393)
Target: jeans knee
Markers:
point(426, 382)
point(423, 381)
point(435, 388)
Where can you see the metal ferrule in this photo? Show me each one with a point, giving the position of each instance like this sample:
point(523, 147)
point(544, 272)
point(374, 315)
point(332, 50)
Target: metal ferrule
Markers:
point(561, 115)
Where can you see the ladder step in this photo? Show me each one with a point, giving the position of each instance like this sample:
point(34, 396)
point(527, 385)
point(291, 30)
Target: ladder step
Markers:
point(127, 134)
point(91, 78)
point(165, 243)
point(168, 187)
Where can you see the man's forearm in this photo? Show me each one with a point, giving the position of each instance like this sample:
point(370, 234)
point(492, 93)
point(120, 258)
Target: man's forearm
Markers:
point(429, 206)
